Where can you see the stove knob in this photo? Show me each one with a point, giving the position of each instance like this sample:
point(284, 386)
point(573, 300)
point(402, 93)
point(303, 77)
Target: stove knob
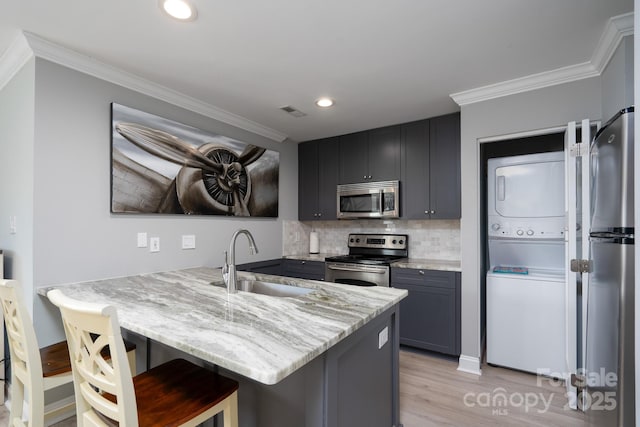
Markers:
point(529, 232)
point(351, 240)
point(401, 242)
point(394, 241)
point(357, 240)
point(520, 232)
point(495, 227)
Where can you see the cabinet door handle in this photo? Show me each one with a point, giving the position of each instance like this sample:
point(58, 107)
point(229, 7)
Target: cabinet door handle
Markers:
point(369, 177)
point(426, 212)
point(433, 212)
point(364, 177)
point(320, 214)
point(420, 272)
point(303, 262)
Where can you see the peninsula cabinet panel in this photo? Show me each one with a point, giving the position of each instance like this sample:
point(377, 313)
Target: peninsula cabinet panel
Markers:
point(430, 315)
point(431, 168)
point(317, 179)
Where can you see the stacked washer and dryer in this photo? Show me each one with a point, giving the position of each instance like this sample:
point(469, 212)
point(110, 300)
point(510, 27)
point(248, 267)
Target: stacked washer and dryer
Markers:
point(526, 246)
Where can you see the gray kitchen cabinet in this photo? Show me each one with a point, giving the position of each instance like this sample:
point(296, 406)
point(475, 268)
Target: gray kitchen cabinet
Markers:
point(354, 158)
point(430, 315)
point(302, 269)
point(317, 179)
point(372, 155)
point(431, 168)
point(272, 266)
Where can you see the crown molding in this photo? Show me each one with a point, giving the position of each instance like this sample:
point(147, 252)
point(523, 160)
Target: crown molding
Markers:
point(27, 45)
point(13, 59)
point(617, 28)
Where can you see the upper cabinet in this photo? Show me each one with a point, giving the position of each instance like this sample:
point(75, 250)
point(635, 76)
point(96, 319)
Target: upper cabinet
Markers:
point(424, 155)
point(317, 179)
point(431, 168)
point(370, 156)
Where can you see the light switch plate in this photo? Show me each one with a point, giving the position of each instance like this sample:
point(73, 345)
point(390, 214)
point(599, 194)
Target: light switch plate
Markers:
point(13, 226)
point(154, 244)
point(188, 241)
point(142, 240)
point(383, 337)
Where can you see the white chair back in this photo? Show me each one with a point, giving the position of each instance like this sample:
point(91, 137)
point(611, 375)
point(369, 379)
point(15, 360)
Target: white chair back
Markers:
point(26, 365)
point(103, 388)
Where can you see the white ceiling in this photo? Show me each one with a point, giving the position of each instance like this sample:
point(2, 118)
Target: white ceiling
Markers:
point(383, 61)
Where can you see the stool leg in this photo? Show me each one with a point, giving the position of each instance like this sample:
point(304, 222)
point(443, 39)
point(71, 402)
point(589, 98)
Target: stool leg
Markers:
point(131, 356)
point(230, 413)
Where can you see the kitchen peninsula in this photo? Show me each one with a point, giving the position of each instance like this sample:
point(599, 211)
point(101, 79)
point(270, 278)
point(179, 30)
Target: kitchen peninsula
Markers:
point(328, 358)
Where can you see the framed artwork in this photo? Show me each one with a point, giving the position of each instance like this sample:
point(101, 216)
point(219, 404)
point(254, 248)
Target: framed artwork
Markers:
point(165, 167)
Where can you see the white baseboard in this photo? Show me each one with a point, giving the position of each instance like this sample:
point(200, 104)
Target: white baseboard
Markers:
point(469, 364)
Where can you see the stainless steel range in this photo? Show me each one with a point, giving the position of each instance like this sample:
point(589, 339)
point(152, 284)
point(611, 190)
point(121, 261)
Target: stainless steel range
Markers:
point(369, 259)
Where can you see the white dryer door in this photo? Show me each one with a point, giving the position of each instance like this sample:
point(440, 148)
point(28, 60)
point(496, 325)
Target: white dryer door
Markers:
point(528, 190)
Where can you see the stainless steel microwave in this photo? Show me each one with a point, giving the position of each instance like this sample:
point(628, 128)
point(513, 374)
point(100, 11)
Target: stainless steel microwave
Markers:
point(369, 200)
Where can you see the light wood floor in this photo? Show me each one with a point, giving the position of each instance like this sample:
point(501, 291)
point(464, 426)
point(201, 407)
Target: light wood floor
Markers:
point(434, 393)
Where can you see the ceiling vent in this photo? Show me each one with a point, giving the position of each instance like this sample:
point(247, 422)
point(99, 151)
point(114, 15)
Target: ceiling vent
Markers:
point(293, 111)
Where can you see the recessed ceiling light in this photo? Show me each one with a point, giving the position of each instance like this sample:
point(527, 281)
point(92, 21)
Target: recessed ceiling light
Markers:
point(182, 10)
point(324, 102)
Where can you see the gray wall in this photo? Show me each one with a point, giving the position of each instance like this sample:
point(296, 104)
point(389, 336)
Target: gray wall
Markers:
point(16, 175)
point(541, 109)
point(75, 237)
point(617, 80)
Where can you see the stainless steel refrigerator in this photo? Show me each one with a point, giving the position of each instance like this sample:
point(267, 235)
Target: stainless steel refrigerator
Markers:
point(609, 398)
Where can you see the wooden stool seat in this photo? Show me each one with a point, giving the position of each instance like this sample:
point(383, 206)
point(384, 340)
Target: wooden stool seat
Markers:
point(55, 358)
point(172, 393)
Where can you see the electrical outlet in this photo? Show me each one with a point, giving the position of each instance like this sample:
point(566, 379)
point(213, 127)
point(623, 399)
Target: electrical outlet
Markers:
point(383, 337)
point(154, 244)
point(142, 240)
point(188, 241)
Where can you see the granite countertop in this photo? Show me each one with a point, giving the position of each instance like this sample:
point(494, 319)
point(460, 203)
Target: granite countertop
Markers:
point(428, 264)
point(261, 337)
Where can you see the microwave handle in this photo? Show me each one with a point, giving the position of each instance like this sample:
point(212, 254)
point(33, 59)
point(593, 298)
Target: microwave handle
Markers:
point(381, 207)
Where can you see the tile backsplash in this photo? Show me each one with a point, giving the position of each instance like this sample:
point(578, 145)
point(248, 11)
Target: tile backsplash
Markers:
point(430, 239)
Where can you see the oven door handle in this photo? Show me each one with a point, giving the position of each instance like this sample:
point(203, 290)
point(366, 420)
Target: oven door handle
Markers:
point(381, 209)
point(358, 269)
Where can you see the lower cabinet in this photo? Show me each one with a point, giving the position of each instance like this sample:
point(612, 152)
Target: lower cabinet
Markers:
point(301, 269)
point(272, 266)
point(310, 270)
point(430, 315)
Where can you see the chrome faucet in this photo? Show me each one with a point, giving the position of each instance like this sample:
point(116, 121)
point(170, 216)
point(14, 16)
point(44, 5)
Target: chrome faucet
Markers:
point(229, 268)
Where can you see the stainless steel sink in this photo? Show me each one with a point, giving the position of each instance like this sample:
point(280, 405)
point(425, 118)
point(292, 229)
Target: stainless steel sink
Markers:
point(272, 289)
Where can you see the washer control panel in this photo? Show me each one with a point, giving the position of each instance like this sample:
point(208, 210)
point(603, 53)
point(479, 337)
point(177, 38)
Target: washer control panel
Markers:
point(527, 228)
